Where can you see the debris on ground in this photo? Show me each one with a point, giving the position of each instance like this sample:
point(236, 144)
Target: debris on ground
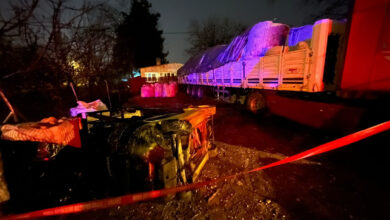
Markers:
point(83, 107)
point(249, 196)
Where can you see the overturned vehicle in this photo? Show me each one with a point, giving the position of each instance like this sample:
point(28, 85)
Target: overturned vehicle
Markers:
point(112, 154)
point(162, 151)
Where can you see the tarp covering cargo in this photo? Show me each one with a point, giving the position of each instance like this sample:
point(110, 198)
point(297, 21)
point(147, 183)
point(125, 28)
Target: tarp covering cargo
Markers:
point(203, 61)
point(254, 42)
point(263, 36)
point(234, 50)
point(299, 34)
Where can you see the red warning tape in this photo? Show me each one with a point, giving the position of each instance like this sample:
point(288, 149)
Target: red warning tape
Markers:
point(132, 198)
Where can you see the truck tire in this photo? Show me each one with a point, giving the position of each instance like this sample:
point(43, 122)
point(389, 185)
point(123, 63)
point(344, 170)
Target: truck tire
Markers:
point(194, 91)
point(200, 92)
point(255, 103)
point(215, 92)
point(232, 98)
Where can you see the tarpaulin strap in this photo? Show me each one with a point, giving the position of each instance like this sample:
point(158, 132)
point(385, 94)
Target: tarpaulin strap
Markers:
point(132, 198)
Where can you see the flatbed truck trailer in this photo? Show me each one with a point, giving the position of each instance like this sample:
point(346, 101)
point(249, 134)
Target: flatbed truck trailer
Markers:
point(326, 75)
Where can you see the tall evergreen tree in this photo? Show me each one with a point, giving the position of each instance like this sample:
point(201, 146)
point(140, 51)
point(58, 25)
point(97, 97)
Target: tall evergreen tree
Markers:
point(139, 41)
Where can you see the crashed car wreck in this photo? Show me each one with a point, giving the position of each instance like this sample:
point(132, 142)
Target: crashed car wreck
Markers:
point(120, 153)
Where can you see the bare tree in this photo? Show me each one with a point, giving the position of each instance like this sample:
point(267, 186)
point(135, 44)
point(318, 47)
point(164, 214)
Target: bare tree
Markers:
point(93, 46)
point(20, 15)
point(47, 44)
point(211, 32)
point(59, 34)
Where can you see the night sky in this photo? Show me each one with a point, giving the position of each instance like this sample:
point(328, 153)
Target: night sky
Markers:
point(177, 14)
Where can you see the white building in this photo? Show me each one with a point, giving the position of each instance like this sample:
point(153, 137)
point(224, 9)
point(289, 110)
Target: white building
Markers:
point(160, 72)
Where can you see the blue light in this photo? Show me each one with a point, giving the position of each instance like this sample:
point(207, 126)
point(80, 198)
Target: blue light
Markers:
point(299, 34)
point(136, 73)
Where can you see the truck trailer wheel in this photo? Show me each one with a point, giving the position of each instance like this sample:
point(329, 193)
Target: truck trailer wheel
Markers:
point(200, 92)
point(194, 91)
point(256, 103)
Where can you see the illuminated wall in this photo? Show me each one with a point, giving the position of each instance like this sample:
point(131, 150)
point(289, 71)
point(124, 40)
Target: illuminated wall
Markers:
point(154, 73)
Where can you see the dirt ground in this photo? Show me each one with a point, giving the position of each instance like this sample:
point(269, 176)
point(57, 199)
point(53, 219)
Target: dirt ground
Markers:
point(348, 183)
point(248, 196)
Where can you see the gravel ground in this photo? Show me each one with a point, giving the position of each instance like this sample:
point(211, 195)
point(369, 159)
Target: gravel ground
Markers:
point(347, 183)
point(248, 196)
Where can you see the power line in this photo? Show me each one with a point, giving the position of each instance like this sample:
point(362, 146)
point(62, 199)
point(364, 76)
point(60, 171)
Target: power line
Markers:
point(177, 32)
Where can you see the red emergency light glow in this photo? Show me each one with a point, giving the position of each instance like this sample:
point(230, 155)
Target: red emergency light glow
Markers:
point(366, 64)
point(133, 198)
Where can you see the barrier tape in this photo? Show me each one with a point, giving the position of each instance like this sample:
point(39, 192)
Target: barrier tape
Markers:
point(133, 198)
